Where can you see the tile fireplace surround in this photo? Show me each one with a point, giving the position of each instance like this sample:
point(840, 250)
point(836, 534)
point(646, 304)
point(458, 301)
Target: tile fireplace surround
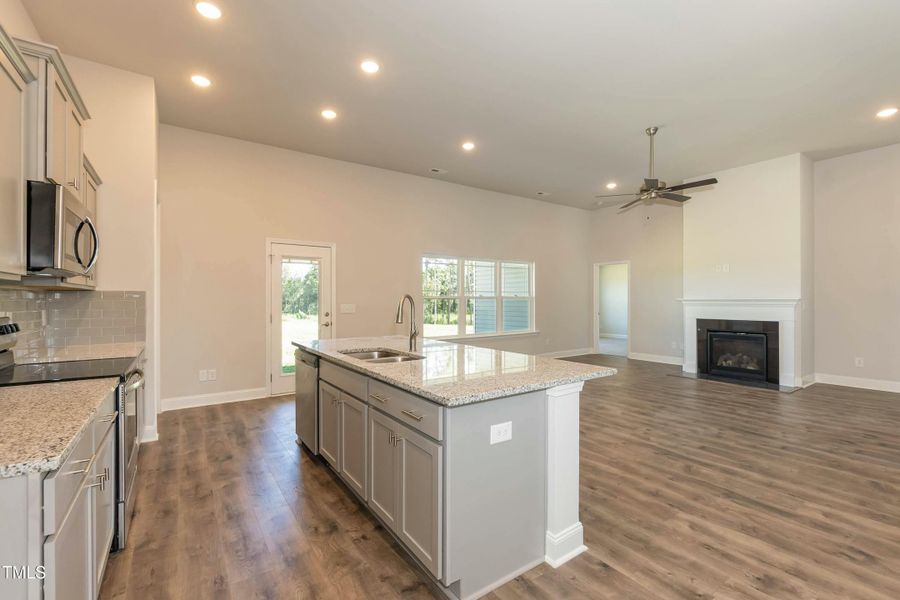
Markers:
point(785, 311)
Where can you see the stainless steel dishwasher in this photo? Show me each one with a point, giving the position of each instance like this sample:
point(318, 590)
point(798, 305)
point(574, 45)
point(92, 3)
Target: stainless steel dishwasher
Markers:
point(307, 399)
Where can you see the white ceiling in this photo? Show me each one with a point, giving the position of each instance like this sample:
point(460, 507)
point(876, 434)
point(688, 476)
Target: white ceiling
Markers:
point(555, 94)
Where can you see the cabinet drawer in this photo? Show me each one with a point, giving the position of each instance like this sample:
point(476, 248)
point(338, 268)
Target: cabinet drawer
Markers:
point(407, 408)
point(61, 485)
point(345, 379)
point(105, 418)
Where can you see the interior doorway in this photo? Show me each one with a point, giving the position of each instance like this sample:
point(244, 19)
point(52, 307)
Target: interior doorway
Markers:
point(300, 304)
point(612, 309)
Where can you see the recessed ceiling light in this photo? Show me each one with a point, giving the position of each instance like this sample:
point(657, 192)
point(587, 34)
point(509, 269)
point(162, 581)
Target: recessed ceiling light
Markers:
point(201, 81)
point(208, 10)
point(611, 185)
point(369, 66)
point(468, 146)
point(886, 112)
point(329, 114)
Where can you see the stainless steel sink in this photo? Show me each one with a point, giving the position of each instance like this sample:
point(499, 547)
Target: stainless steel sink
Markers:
point(372, 354)
point(382, 356)
point(393, 359)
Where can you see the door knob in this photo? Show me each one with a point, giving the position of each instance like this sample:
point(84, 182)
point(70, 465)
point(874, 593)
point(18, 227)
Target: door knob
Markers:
point(326, 324)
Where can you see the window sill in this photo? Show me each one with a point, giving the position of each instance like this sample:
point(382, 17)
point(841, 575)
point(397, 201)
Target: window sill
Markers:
point(484, 336)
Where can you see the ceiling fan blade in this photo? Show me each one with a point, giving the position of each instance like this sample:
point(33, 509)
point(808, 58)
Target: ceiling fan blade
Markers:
point(651, 184)
point(633, 202)
point(671, 196)
point(692, 184)
point(616, 195)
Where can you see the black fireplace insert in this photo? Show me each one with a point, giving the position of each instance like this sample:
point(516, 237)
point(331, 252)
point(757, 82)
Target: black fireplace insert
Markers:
point(737, 354)
point(740, 350)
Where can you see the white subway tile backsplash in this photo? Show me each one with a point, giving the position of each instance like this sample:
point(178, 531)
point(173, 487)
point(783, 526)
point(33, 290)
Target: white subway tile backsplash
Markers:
point(59, 319)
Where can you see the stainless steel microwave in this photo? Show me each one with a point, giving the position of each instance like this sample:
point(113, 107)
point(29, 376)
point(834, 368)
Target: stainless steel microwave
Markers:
point(62, 240)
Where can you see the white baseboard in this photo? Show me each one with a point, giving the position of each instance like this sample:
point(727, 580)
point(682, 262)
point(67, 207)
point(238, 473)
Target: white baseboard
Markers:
point(807, 380)
point(882, 385)
point(562, 547)
point(180, 402)
point(565, 353)
point(657, 358)
point(614, 336)
point(149, 434)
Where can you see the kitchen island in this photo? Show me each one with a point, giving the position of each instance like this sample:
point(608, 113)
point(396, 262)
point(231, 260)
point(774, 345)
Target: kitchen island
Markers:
point(468, 455)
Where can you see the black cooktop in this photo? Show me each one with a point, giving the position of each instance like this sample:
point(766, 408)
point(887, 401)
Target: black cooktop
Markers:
point(65, 371)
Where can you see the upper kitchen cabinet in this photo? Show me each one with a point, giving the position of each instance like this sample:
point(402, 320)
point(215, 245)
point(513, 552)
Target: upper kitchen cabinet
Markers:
point(55, 121)
point(92, 184)
point(15, 77)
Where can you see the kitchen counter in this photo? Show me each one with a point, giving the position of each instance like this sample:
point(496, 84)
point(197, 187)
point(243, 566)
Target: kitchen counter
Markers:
point(41, 424)
point(78, 352)
point(455, 374)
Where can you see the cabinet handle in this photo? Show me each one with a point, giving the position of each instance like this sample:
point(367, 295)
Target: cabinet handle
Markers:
point(81, 462)
point(101, 483)
point(397, 439)
point(76, 472)
point(378, 397)
point(391, 438)
point(413, 415)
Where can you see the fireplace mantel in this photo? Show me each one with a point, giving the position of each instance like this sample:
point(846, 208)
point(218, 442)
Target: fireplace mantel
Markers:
point(784, 310)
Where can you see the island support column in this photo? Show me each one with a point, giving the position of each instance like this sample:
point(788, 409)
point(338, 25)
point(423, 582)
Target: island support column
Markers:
point(565, 534)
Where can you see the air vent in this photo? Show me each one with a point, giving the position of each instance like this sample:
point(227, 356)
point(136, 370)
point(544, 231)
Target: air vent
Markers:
point(436, 171)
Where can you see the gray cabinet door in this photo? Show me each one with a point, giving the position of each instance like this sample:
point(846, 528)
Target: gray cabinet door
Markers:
point(12, 173)
point(104, 504)
point(330, 425)
point(384, 469)
point(353, 443)
point(68, 554)
point(420, 497)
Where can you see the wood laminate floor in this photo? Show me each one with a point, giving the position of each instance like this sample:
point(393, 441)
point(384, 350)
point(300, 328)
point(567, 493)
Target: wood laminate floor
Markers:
point(689, 489)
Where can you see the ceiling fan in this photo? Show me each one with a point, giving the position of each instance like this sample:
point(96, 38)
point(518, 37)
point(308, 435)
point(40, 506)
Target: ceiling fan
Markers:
point(653, 188)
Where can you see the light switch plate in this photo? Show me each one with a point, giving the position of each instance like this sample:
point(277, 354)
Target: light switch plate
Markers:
point(348, 309)
point(203, 375)
point(501, 432)
point(211, 374)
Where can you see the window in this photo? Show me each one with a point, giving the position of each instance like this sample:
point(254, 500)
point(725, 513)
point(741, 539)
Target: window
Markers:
point(477, 297)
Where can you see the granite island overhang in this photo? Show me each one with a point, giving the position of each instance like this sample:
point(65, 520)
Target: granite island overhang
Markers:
point(486, 446)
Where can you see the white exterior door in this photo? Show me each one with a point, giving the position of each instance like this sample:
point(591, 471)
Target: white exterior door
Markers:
point(301, 305)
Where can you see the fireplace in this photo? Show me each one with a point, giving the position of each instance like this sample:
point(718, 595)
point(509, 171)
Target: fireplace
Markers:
point(736, 354)
point(741, 350)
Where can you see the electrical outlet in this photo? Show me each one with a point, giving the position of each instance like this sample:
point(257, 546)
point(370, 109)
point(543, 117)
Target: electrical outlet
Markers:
point(204, 375)
point(860, 361)
point(211, 374)
point(726, 267)
point(718, 268)
point(501, 432)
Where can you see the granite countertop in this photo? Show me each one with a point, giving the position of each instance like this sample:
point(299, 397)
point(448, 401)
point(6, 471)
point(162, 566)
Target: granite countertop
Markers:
point(455, 374)
point(79, 352)
point(41, 424)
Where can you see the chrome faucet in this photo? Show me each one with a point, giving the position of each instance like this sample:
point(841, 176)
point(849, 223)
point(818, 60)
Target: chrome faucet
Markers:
point(413, 330)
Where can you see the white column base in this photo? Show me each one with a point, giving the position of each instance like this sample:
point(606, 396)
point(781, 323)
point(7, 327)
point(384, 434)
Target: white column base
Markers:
point(563, 547)
point(564, 539)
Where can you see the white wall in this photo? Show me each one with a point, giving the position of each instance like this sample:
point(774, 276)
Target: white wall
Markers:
point(650, 237)
point(15, 20)
point(750, 221)
point(222, 197)
point(857, 275)
point(121, 141)
point(612, 312)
